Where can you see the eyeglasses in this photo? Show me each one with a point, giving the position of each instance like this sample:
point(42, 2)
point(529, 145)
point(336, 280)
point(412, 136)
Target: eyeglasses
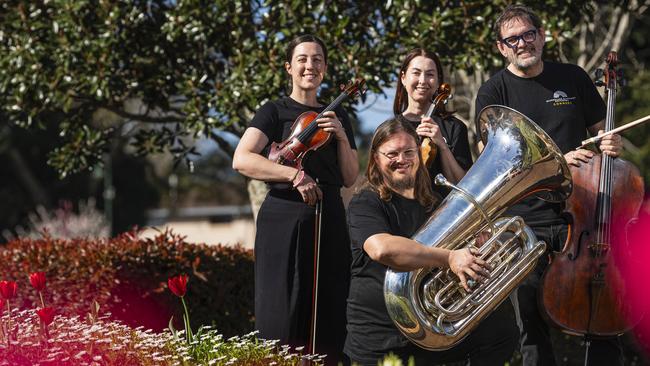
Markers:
point(409, 154)
point(527, 37)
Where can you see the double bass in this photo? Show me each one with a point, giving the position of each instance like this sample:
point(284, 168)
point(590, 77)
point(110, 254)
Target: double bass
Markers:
point(582, 290)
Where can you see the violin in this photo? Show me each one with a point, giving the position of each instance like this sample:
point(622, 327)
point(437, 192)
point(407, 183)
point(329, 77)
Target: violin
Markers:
point(582, 290)
point(427, 146)
point(305, 134)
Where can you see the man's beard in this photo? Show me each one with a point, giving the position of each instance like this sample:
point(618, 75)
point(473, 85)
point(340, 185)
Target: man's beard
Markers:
point(529, 62)
point(401, 184)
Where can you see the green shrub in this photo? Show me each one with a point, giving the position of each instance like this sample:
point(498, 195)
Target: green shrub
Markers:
point(127, 276)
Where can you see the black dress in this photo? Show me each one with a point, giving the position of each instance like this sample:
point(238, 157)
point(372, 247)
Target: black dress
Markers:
point(284, 244)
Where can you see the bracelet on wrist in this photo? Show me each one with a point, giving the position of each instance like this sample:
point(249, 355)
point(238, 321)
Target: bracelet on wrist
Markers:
point(299, 178)
point(295, 175)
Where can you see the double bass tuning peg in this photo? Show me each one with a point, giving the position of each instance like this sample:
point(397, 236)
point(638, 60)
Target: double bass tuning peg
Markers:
point(598, 77)
point(598, 74)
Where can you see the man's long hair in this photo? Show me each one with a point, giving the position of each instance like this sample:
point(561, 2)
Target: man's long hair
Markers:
point(422, 189)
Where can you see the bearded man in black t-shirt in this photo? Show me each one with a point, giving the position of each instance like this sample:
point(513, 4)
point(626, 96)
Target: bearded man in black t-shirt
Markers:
point(394, 203)
point(562, 99)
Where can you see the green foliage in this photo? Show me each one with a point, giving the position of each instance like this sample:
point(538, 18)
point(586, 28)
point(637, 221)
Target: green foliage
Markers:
point(188, 68)
point(634, 103)
point(392, 360)
point(127, 277)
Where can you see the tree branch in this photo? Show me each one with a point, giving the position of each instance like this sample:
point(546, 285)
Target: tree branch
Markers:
point(223, 144)
point(143, 117)
point(597, 56)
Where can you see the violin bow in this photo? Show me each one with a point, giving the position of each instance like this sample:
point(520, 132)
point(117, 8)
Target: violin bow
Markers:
point(314, 297)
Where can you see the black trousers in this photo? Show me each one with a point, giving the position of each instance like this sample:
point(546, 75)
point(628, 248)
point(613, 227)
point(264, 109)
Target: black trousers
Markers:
point(536, 345)
point(492, 343)
point(284, 268)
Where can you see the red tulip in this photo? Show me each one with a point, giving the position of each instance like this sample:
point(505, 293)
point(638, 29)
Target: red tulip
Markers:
point(178, 285)
point(8, 289)
point(37, 279)
point(46, 315)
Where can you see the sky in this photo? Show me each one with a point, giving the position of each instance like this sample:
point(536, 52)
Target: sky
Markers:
point(375, 110)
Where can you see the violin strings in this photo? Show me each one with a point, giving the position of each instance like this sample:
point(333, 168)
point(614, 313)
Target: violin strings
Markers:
point(308, 132)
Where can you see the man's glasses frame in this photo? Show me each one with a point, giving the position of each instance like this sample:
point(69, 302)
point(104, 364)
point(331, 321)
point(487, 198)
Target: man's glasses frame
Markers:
point(528, 36)
point(409, 154)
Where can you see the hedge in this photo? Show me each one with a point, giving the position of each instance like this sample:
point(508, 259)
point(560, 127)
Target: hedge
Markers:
point(127, 276)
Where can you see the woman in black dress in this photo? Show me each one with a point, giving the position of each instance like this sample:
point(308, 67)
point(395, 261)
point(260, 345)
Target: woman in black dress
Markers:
point(420, 76)
point(285, 224)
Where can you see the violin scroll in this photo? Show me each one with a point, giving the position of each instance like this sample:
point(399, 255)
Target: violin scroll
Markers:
point(354, 88)
point(442, 96)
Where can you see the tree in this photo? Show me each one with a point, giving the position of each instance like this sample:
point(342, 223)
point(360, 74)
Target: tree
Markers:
point(159, 70)
point(159, 73)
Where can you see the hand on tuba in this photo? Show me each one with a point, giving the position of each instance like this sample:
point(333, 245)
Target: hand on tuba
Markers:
point(464, 263)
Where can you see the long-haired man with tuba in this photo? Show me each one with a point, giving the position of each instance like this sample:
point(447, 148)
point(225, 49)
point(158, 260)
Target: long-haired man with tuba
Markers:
point(396, 200)
point(563, 100)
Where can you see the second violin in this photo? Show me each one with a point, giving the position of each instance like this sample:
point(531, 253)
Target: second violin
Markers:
point(427, 146)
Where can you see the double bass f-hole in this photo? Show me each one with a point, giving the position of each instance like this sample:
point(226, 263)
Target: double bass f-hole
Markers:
point(427, 146)
point(582, 240)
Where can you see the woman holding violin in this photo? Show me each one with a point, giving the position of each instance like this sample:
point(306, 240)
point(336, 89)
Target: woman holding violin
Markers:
point(286, 223)
point(421, 89)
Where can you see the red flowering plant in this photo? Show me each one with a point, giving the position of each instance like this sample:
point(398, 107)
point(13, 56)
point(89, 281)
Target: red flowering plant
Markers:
point(37, 279)
point(8, 291)
point(178, 286)
point(45, 314)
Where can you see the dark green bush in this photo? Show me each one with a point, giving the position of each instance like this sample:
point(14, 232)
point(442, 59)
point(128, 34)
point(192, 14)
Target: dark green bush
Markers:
point(127, 276)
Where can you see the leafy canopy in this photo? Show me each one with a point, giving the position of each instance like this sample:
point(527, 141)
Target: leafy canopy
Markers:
point(159, 71)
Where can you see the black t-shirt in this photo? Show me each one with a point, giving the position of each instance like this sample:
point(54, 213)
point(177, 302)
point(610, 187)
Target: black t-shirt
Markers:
point(455, 133)
point(275, 119)
point(563, 101)
point(371, 332)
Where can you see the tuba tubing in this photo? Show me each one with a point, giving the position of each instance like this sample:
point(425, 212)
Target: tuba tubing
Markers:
point(428, 305)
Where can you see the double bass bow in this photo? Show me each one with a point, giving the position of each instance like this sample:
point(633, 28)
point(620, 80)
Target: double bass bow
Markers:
point(427, 146)
point(582, 291)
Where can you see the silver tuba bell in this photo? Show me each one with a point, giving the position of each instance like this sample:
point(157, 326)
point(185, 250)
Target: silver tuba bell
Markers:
point(428, 305)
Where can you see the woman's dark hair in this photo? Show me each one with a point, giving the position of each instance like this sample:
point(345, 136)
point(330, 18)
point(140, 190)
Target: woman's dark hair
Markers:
point(423, 192)
point(302, 39)
point(516, 12)
point(401, 97)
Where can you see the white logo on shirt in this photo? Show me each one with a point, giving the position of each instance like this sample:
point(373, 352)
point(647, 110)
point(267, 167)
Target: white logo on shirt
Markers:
point(561, 98)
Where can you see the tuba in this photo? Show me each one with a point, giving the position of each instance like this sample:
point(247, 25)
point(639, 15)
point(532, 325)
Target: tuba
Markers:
point(428, 305)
